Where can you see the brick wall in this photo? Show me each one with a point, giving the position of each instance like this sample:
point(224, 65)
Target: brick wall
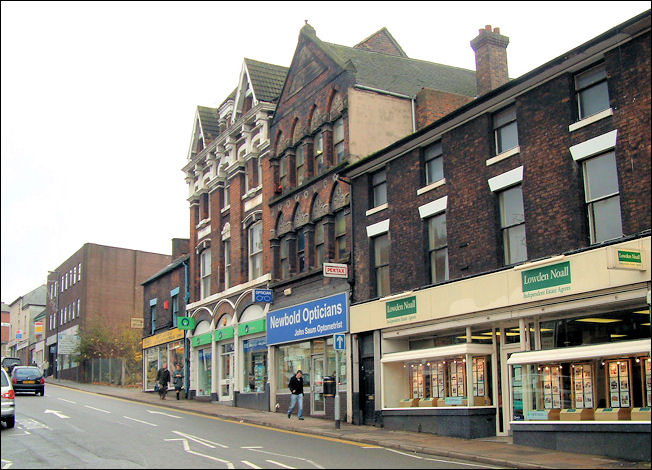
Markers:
point(431, 105)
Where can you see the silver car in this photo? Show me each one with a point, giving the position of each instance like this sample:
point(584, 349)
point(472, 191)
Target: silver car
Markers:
point(8, 401)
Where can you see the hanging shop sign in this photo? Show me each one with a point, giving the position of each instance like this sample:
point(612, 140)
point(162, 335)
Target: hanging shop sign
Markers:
point(553, 279)
point(186, 323)
point(262, 295)
point(627, 258)
point(335, 270)
point(308, 320)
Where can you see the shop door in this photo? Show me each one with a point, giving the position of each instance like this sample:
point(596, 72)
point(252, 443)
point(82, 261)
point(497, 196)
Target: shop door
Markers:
point(317, 402)
point(226, 372)
point(367, 391)
point(511, 389)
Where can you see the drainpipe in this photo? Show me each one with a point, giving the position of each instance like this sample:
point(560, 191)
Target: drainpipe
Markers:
point(186, 343)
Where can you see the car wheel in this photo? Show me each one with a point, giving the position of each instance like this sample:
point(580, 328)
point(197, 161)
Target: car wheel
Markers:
point(11, 422)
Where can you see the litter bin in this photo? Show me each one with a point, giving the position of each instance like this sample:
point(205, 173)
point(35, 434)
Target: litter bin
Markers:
point(329, 386)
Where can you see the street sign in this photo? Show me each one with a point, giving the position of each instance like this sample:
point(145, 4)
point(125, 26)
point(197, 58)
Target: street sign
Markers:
point(185, 323)
point(335, 270)
point(263, 295)
point(338, 340)
point(137, 323)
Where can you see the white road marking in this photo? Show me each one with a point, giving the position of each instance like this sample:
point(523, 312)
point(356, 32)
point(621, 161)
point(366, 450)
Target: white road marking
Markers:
point(96, 409)
point(57, 413)
point(439, 460)
point(201, 440)
point(278, 463)
point(6, 463)
point(252, 447)
point(316, 465)
point(67, 401)
point(28, 423)
point(164, 414)
point(144, 422)
point(186, 447)
point(250, 464)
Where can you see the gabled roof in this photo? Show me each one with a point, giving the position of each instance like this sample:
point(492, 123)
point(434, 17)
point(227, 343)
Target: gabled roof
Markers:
point(266, 79)
point(208, 120)
point(170, 267)
point(383, 42)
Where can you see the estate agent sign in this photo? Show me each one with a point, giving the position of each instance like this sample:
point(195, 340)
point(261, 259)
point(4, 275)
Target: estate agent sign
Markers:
point(553, 279)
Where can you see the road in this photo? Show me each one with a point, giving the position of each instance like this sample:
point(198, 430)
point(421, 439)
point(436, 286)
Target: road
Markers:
point(76, 429)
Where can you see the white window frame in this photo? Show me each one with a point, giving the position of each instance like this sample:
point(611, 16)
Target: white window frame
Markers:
point(205, 273)
point(255, 252)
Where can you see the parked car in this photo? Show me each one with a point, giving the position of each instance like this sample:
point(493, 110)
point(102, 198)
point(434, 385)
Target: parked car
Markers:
point(8, 363)
point(8, 401)
point(28, 379)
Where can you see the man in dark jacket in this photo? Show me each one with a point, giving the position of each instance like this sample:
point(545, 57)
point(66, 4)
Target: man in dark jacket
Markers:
point(296, 388)
point(163, 378)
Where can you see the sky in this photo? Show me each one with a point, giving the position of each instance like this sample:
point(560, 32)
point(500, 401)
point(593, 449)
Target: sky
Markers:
point(99, 98)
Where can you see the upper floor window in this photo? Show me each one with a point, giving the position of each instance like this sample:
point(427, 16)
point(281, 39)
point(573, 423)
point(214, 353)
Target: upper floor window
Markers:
point(512, 224)
point(301, 251)
point(381, 263)
point(505, 130)
point(225, 198)
point(78, 308)
point(602, 197)
point(175, 309)
point(205, 271)
point(591, 91)
point(319, 243)
point(319, 154)
point(152, 316)
point(438, 248)
point(340, 235)
point(284, 259)
point(79, 272)
point(256, 250)
point(433, 163)
point(338, 140)
point(227, 263)
point(283, 173)
point(379, 187)
point(301, 164)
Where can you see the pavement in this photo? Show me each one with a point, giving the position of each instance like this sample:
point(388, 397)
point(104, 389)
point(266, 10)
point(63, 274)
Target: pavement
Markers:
point(497, 451)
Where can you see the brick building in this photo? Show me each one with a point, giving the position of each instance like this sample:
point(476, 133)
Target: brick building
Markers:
point(225, 179)
point(97, 285)
point(338, 104)
point(6, 328)
point(165, 295)
point(502, 285)
point(22, 313)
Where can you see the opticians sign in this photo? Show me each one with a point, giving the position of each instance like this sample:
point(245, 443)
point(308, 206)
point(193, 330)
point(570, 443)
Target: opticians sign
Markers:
point(309, 320)
point(553, 279)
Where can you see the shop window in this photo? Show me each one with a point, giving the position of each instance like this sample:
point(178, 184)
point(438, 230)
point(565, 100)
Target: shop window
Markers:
point(591, 91)
point(255, 364)
point(338, 141)
point(204, 367)
point(512, 224)
point(505, 130)
point(319, 154)
point(433, 163)
point(291, 358)
point(205, 271)
point(438, 248)
point(256, 251)
point(340, 235)
point(379, 188)
point(602, 197)
point(381, 264)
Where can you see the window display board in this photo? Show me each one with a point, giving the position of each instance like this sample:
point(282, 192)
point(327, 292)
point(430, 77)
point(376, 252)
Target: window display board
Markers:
point(551, 379)
point(582, 385)
point(619, 383)
point(438, 384)
point(416, 381)
point(648, 380)
point(457, 374)
point(479, 376)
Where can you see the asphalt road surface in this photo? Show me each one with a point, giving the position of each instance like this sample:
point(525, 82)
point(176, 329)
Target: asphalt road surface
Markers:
point(75, 429)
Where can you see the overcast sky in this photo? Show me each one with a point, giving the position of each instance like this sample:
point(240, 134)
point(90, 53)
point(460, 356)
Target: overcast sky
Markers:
point(98, 99)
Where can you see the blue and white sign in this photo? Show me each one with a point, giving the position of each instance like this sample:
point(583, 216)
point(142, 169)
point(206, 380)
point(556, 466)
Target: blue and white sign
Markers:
point(338, 341)
point(310, 320)
point(263, 295)
point(255, 344)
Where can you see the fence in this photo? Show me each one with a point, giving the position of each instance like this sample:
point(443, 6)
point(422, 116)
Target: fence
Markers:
point(112, 371)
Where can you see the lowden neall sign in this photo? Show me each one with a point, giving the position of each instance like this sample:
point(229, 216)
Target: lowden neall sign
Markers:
point(401, 309)
point(553, 279)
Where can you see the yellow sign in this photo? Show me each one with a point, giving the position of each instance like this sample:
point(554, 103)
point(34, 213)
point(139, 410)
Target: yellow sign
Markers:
point(162, 338)
point(137, 323)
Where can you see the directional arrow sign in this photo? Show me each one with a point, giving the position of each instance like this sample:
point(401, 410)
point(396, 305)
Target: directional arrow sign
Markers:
point(57, 413)
point(165, 414)
point(338, 339)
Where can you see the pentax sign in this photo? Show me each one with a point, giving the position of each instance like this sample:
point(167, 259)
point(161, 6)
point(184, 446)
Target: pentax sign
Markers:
point(336, 270)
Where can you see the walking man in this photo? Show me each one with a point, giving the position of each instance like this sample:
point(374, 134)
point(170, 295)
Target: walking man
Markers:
point(163, 378)
point(296, 388)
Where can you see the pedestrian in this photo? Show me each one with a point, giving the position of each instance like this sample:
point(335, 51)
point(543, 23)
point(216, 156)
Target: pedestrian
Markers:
point(163, 378)
point(178, 379)
point(296, 388)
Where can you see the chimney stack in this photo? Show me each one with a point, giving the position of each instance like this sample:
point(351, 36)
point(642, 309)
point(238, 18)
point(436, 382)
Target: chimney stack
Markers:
point(490, 59)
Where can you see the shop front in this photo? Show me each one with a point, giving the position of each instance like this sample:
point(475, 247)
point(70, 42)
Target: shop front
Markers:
point(554, 352)
point(162, 348)
point(253, 390)
point(300, 337)
point(201, 362)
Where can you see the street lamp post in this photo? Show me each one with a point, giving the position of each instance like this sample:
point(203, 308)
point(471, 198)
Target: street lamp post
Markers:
point(56, 321)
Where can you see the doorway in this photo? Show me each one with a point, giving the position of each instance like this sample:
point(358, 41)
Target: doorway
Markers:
point(317, 401)
point(367, 391)
point(511, 403)
point(225, 389)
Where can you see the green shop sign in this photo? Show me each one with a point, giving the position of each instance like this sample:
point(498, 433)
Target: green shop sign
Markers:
point(201, 340)
point(399, 308)
point(224, 333)
point(251, 327)
point(546, 278)
point(186, 323)
point(630, 257)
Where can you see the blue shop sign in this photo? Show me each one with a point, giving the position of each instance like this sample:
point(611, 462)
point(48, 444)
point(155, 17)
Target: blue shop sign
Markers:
point(321, 317)
point(255, 344)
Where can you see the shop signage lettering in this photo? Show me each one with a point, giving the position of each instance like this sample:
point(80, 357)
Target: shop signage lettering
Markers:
point(633, 257)
point(401, 310)
point(201, 340)
point(224, 333)
point(161, 338)
point(249, 328)
point(255, 344)
point(554, 279)
point(310, 320)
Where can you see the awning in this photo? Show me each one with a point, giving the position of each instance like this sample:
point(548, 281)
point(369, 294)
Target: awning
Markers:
point(440, 352)
point(623, 348)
